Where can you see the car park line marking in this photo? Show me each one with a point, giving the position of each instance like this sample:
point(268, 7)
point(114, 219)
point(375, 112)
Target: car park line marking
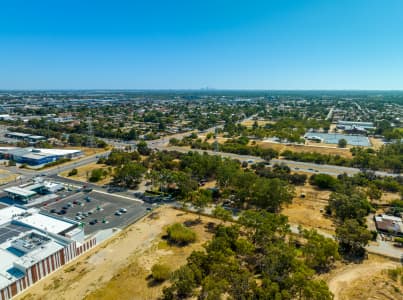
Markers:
point(119, 196)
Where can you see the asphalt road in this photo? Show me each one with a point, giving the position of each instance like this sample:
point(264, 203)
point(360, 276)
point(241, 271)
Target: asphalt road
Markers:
point(294, 165)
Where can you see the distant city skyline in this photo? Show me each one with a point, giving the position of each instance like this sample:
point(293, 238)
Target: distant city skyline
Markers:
point(190, 45)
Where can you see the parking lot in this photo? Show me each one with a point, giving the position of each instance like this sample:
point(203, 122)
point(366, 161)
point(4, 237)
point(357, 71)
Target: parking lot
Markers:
point(88, 207)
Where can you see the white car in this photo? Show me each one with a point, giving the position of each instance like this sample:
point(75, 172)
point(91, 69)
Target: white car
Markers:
point(118, 213)
point(123, 210)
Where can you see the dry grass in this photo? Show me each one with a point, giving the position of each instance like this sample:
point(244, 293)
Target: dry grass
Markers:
point(6, 176)
point(133, 282)
point(249, 123)
point(309, 211)
point(388, 197)
point(84, 172)
point(89, 151)
point(309, 147)
point(367, 280)
point(322, 149)
point(376, 143)
point(118, 269)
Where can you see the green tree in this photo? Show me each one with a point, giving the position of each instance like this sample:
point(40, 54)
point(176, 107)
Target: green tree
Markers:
point(319, 252)
point(129, 175)
point(323, 181)
point(200, 199)
point(353, 238)
point(143, 149)
point(96, 175)
point(222, 213)
point(270, 194)
point(342, 143)
point(373, 192)
point(349, 206)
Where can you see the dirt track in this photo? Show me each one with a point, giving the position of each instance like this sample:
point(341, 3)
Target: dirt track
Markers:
point(341, 281)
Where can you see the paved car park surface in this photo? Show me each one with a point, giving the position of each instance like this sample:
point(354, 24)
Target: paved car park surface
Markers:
point(96, 206)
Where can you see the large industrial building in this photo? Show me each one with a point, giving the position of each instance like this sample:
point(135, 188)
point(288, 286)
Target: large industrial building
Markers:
point(33, 244)
point(37, 156)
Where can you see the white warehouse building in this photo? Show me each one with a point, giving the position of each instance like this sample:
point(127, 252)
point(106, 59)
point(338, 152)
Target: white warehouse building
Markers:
point(33, 244)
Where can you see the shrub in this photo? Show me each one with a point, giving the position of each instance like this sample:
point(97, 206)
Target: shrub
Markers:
point(179, 234)
point(374, 234)
point(342, 143)
point(395, 273)
point(96, 175)
point(323, 181)
point(160, 272)
point(73, 172)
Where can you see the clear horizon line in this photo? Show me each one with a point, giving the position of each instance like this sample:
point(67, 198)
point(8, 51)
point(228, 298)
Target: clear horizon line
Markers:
point(195, 89)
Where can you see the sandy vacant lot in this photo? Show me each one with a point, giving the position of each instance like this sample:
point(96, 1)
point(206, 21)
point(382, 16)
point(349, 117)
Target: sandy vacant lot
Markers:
point(364, 281)
point(118, 269)
point(249, 123)
point(6, 176)
point(314, 147)
point(308, 211)
point(343, 152)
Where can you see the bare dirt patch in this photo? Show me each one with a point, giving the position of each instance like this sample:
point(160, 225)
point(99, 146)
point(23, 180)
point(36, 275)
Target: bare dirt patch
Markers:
point(118, 269)
point(249, 123)
point(322, 149)
point(388, 197)
point(308, 211)
point(376, 143)
point(367, 280)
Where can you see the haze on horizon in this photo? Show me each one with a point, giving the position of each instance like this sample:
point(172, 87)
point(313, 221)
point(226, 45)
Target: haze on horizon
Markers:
point(265, 45)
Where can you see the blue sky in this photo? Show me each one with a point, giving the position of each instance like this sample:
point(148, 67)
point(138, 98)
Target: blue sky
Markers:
point(223, 44)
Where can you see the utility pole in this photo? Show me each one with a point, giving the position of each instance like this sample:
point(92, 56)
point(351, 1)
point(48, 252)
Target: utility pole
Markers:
point(90, 132)
point(216, 145)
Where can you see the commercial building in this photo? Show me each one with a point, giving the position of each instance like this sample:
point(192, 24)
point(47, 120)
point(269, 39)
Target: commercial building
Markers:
point(34, 244)
point(37, 156)
point(25, 193)
point(25, 137)
point(348, 125)
point(18, 193)
point(389, 224)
